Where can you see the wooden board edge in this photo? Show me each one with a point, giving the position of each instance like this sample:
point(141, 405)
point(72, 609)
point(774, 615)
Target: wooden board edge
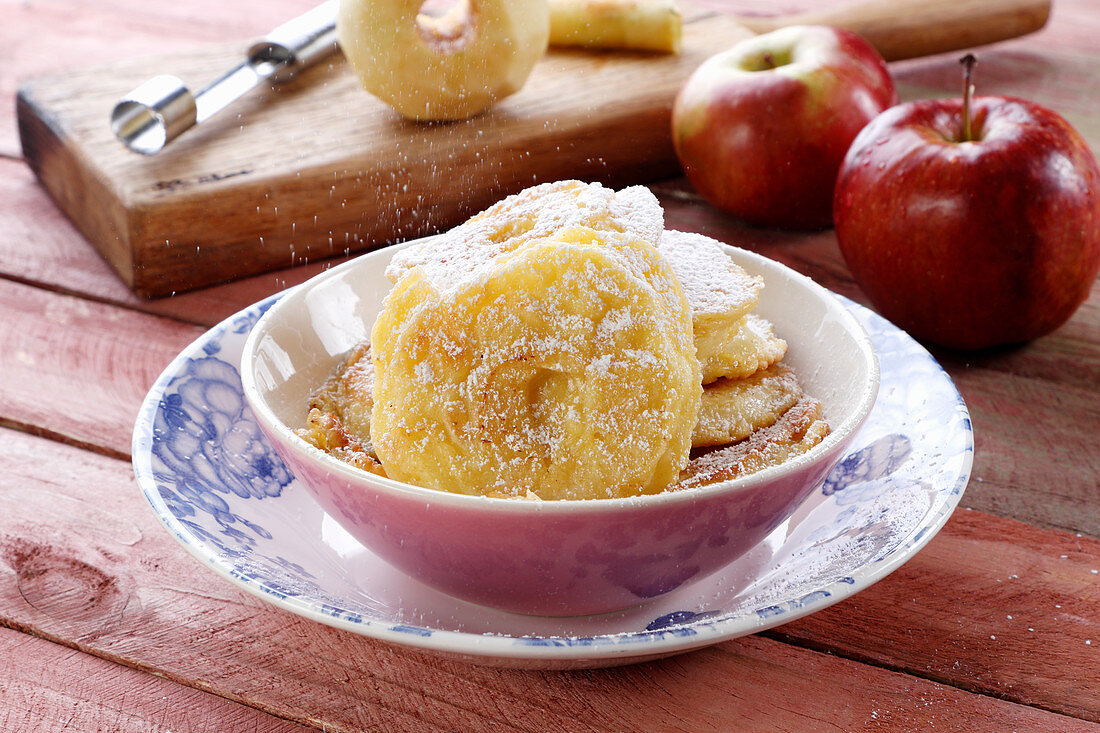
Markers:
point(82, 196)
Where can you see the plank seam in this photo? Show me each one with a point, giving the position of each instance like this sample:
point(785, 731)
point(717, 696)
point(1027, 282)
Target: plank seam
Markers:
point(64, 439)
point(133, 308)
point(778, 635)
point(121, 662)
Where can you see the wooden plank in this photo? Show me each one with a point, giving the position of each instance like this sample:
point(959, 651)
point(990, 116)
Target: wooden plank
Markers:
point(51, 688)
point(44, 249)
point(82, 562)
point(78, 370)
point(785, 690)
point(1027, 428)
point(1001, 607)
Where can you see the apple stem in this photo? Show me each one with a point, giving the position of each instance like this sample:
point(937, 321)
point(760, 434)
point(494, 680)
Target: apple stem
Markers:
point(968, 62)
point(769, 60)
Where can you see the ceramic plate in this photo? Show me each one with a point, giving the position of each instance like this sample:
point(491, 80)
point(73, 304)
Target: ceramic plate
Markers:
point(220, 489)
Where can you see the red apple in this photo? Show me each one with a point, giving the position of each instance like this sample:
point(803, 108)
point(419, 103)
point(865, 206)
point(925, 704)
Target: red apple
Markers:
point(761, 129)
point(975, 240)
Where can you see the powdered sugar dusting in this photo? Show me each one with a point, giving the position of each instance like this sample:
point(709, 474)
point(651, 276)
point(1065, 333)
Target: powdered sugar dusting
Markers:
point(712, 283)
point(534, 213)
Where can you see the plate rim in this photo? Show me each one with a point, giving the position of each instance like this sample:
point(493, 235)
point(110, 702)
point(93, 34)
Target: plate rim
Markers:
point(487, 646)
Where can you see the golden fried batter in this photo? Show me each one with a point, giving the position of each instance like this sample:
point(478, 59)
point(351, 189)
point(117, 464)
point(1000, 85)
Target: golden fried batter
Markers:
point(347, 395)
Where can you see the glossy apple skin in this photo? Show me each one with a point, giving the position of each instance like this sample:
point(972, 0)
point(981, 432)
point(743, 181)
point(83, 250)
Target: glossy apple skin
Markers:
point(765, 145)
point(971, 244)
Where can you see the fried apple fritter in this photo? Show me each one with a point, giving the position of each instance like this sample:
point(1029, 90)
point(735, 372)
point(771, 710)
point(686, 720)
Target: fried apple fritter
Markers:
point(797, 431)
point(731, 409)
point(754, 346)
point(721, 295)
point(565, 369)
point(534, 213)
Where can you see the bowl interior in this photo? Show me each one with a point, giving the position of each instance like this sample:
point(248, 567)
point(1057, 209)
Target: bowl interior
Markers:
point(301, 339)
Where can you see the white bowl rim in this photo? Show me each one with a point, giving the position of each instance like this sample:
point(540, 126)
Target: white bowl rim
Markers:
point(838, 434)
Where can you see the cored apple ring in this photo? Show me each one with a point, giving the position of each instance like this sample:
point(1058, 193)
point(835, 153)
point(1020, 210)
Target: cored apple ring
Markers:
point(448, 67)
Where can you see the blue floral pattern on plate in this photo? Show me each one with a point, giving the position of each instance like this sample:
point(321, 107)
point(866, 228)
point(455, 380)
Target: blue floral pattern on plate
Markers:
point(216, 484)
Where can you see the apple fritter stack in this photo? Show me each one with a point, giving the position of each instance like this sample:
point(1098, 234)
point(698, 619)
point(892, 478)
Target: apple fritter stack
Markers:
point(752, 413)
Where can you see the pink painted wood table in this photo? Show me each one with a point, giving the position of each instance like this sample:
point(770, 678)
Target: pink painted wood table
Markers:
point(106, 623)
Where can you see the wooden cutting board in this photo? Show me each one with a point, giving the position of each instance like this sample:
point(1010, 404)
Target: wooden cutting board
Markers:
point(318, 167)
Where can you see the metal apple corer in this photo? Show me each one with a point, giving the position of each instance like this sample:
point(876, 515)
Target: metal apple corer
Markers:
point(163, 108)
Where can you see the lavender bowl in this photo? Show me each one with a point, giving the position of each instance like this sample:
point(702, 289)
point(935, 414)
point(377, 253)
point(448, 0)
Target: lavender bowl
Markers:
point(553, 558)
